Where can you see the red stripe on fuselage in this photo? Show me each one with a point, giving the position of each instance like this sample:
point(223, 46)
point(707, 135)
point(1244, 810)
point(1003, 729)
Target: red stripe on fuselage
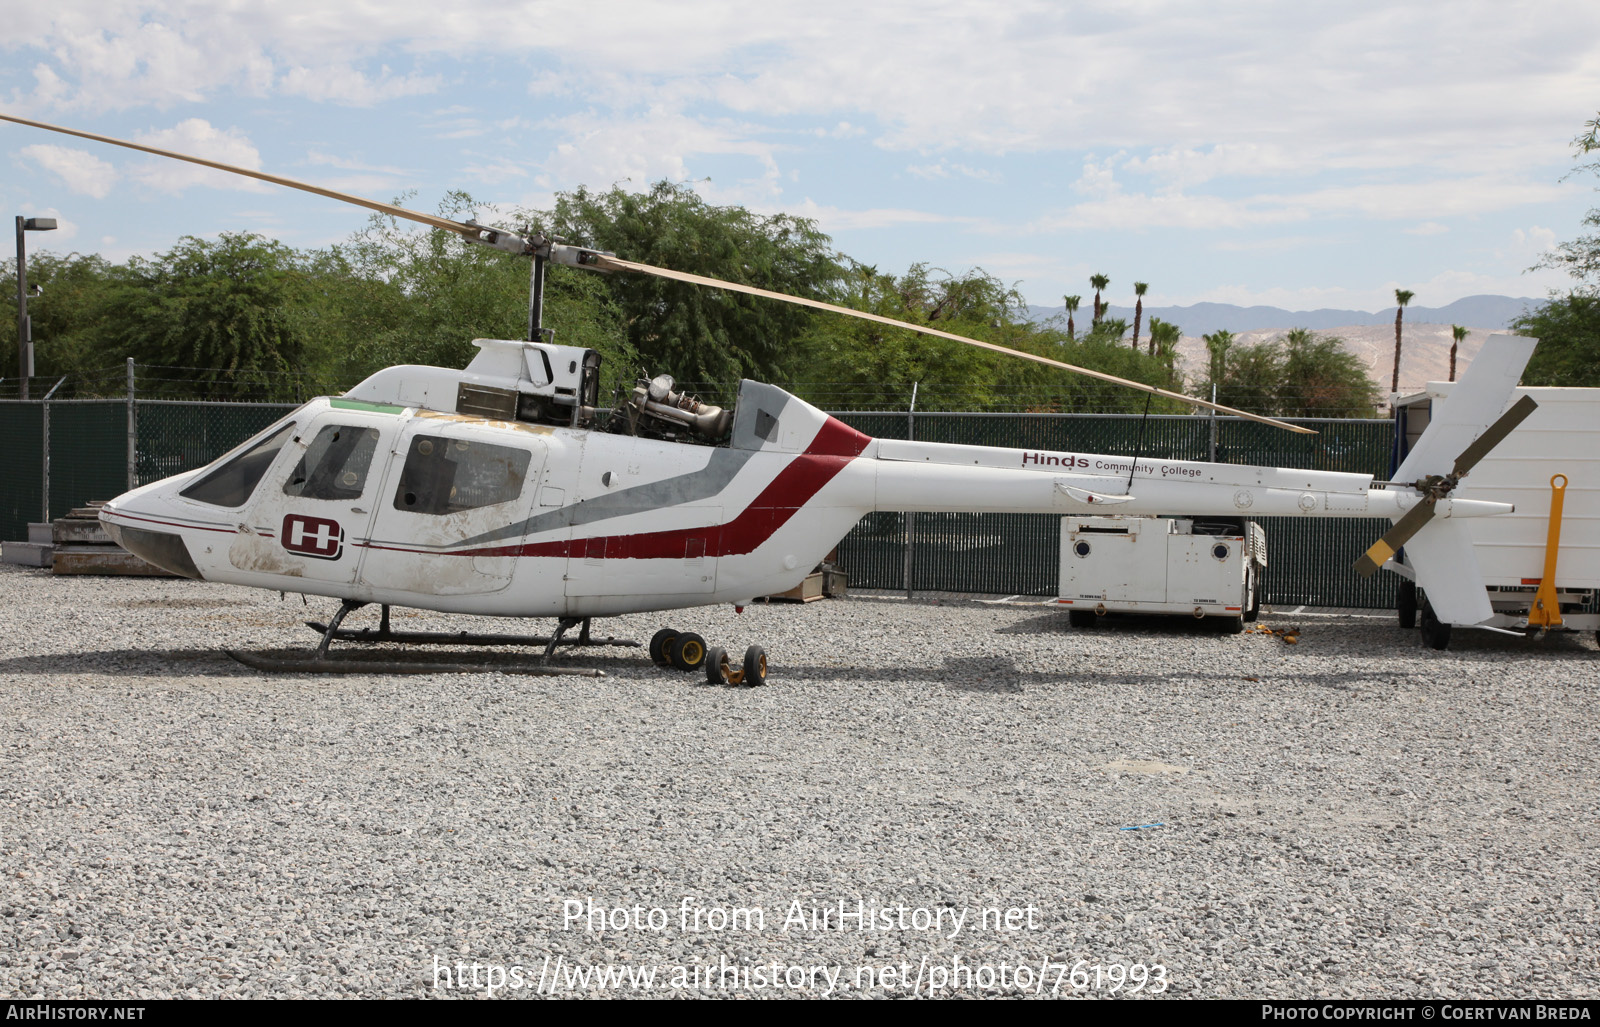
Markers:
point(834, 447)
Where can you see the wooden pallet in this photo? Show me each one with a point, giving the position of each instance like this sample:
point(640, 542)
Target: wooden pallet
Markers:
point(81, 546)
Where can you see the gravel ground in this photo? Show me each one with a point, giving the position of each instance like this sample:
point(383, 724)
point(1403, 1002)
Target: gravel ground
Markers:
point(1350, 816)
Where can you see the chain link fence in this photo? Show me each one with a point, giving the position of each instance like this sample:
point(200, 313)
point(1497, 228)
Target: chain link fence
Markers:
point(91, 449)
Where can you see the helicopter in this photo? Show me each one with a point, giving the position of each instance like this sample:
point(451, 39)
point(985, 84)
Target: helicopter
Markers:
point(508, 489)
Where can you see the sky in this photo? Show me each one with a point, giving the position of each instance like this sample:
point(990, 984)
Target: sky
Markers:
point(1297, 155)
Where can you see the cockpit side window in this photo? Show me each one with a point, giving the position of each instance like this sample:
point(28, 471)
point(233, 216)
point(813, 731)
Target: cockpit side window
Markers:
point(231, 484)
point(335, 465)
point(444, 476)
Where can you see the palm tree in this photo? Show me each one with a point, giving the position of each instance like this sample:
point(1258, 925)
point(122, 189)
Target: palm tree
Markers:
point(1217, 344)
point(1458, 333)
point(1099, 282)
point(1401, 297)
point(1138, 314)
point(1072, 305)
point(1164, 336)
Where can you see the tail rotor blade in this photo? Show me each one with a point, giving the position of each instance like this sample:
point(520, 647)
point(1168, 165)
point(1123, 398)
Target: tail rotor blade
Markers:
point(1494, 435)
point(1380, 551)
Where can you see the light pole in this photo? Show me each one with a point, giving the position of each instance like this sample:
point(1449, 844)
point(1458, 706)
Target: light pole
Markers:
point(24, 324)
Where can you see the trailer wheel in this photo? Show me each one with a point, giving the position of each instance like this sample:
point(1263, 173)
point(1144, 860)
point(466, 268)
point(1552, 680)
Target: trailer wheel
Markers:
point(1435, 634)
point(1232, 625)
point(1081, 618)
point(1253, 586)
point(1406, 603)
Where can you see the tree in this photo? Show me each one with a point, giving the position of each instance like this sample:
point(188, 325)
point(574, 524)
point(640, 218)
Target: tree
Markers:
point(1099, 282)
point(693, 331)
point(1323, 379)
point(1401, 298)
point(1217, 344)
point(1568, 330)
point(1072, 306)
point(1568, 327)
point(229, 309)
point(1138, 314)
point(1457, 334)
point(1581, 257)
point(1164, 337)
point(877, 361)
point(67, 312)
point(1298, 375)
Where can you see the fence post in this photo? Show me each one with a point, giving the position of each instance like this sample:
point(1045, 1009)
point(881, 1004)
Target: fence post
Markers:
point(911, 518)
point(44, 504)
point(45, 418)
point(1213, 411)
point(133, 428)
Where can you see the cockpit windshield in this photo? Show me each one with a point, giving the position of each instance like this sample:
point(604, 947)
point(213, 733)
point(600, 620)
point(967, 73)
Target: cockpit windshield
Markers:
point(232, 483)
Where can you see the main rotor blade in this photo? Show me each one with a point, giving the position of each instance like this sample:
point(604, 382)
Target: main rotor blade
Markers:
point(1495, 435)
point(383, 208)
point(616, 264)
point(1380, 551)
point(605, 263)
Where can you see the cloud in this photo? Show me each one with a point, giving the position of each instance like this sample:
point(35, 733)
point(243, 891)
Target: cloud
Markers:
point(346, 85)
point(495, 171)
point(79, 170)
point(197, 137)
point(317, 157)
point(835, 219)
point(658, 145)
point(1535, 241)
point(1110, 207)
point(945, 169)
point(1427, 228)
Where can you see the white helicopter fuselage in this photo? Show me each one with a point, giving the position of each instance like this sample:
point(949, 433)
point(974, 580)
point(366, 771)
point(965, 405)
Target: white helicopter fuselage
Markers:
point(373, 499)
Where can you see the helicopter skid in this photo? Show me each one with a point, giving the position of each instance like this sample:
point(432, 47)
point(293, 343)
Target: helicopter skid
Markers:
point(458, 637)
point(273, 664)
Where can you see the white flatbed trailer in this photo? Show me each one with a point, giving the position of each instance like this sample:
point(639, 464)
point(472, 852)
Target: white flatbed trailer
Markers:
point(1561, 437)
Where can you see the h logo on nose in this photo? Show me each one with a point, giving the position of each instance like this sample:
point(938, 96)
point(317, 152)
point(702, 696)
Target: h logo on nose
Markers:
point(316, 537)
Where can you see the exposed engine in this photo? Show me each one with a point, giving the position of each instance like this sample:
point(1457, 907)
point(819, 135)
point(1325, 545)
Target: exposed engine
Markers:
point(654, 410)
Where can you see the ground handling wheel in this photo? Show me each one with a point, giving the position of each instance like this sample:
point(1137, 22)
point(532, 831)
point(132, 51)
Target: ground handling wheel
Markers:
point(754, 671)
point(687, 651)
point(660, 644)
point(720, 669)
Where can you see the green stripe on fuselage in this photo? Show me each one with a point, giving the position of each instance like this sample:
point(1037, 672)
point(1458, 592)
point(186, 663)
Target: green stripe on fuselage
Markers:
point(371, 408)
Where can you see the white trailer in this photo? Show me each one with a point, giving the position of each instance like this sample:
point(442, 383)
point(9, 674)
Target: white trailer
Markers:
point(1201, 567)
point(1560, 441)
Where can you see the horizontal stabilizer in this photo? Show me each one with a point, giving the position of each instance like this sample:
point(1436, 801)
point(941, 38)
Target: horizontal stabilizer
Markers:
point(1084, 496)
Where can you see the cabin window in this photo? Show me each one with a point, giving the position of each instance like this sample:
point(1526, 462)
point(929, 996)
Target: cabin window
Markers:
point(443, 476)
point(335, 465)
point(232, 483)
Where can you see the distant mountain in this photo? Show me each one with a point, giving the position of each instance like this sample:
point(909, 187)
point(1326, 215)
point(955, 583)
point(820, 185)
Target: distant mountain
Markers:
point(1205, 318)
